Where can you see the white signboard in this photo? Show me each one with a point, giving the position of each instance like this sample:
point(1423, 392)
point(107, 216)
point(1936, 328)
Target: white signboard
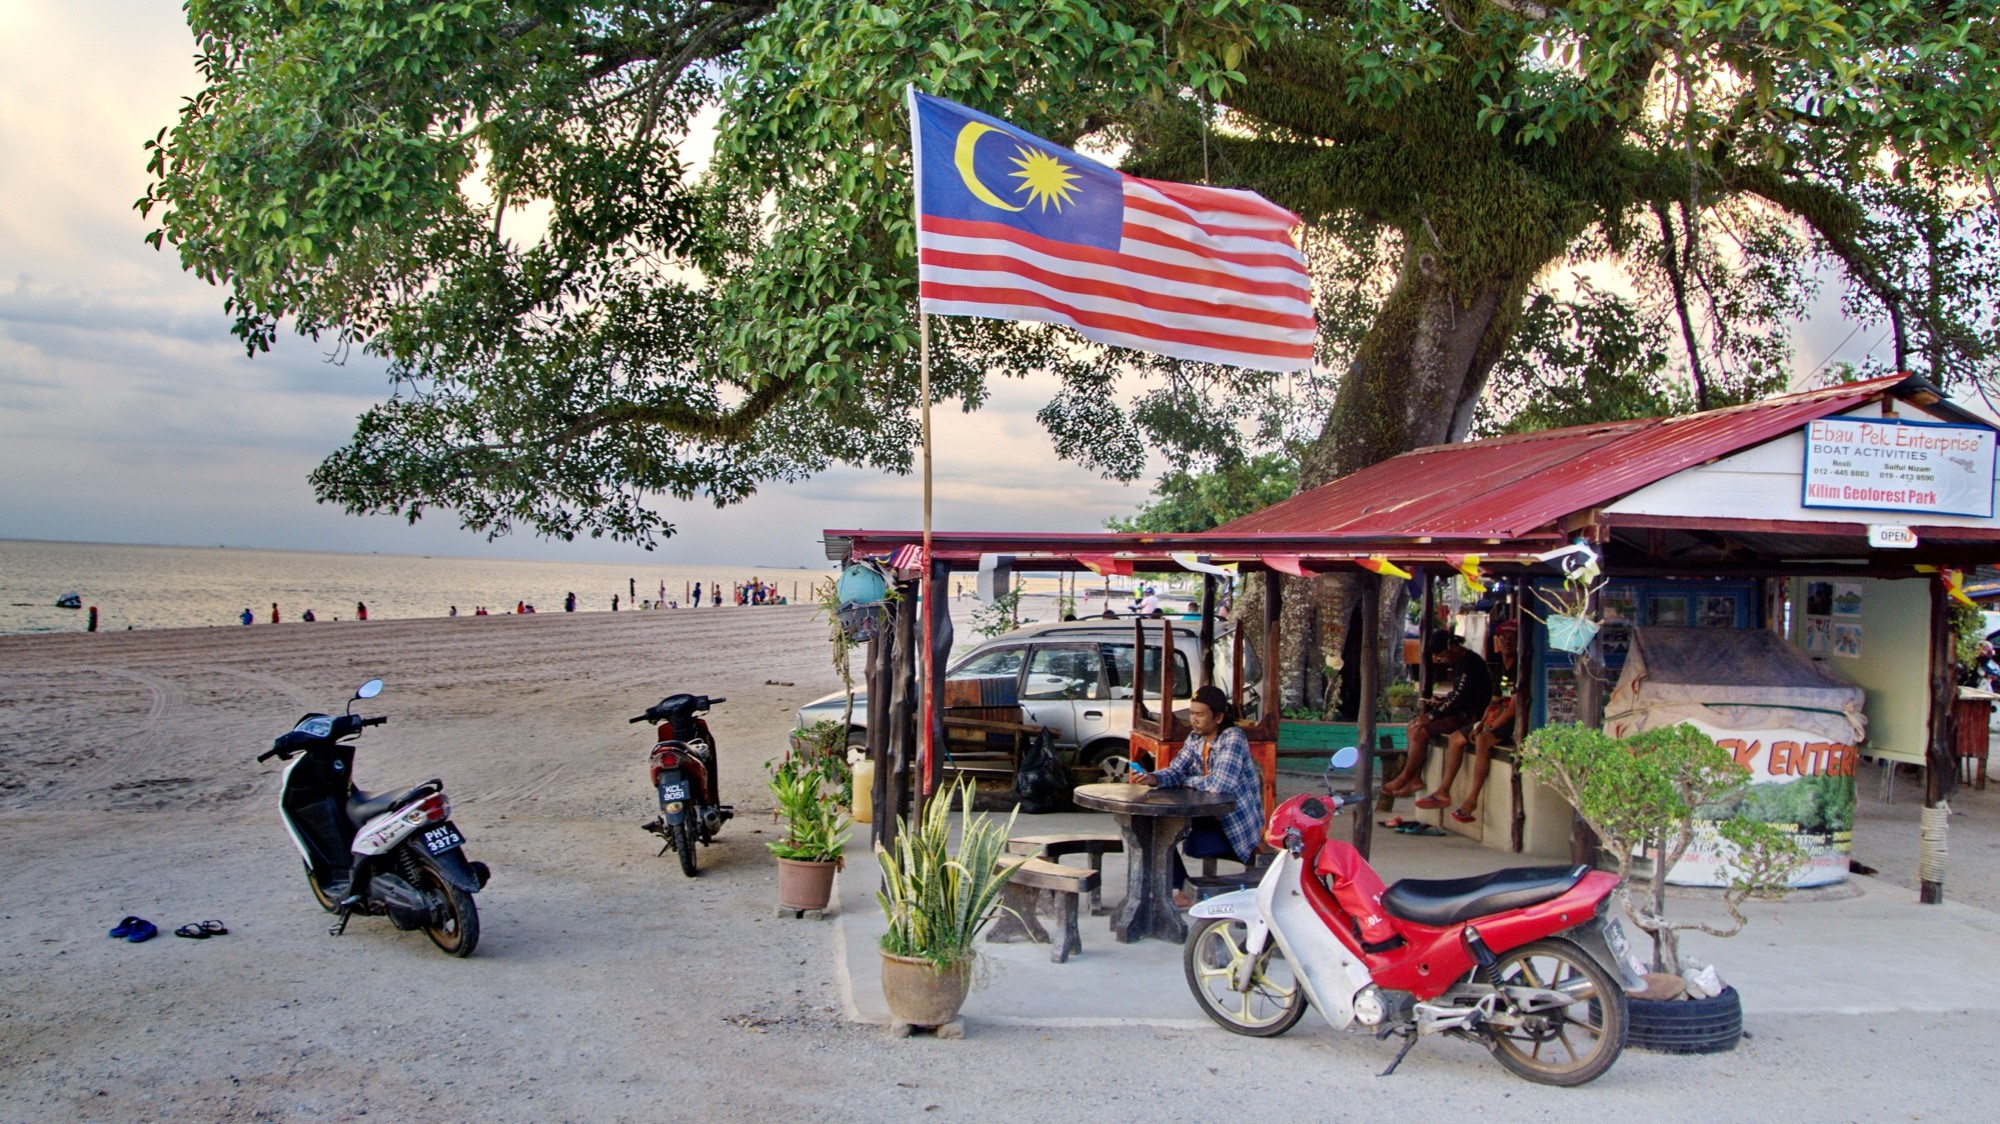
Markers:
point(1899, 466)
point(1885, 537)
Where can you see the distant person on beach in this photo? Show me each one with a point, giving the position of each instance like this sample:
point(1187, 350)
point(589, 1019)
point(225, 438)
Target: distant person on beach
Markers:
point(697, 595)
point(248, 616)
point(92, 626)
point(481, 611)
point(614, 602)
point(308, 617)
point(569, 602)
point(521, 607)
point(361, 610)
point(274, 612)
point(454, 611)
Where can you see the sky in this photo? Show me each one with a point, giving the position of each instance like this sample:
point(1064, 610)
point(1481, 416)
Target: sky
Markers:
point(128, 413)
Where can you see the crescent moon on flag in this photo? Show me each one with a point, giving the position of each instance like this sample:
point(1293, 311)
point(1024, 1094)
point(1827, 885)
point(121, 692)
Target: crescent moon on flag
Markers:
point(967, 137)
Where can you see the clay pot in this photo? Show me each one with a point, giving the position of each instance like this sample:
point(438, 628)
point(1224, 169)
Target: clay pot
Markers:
point(920, 994)
point(804, 885)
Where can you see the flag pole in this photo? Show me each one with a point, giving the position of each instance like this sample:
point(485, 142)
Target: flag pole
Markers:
point(929, 692)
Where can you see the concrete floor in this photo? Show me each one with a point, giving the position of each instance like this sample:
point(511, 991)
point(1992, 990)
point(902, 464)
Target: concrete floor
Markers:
point(1874, 950)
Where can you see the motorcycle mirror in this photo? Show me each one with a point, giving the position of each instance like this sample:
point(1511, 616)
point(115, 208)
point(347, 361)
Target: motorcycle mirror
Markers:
point(1343, 758)
point(369, 689)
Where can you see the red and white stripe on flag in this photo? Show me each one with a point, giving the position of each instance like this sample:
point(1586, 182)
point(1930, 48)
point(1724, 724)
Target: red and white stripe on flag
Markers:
point(907, 557)
point(1014, 227)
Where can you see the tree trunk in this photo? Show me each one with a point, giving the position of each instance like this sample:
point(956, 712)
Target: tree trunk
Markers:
point(1414, 381)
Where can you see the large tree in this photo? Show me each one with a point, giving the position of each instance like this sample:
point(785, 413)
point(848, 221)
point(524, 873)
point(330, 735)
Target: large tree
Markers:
point(501, 198)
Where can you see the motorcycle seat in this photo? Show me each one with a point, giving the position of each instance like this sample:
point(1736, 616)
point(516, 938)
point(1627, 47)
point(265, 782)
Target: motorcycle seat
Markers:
point(362, 807)
point(1438, 902)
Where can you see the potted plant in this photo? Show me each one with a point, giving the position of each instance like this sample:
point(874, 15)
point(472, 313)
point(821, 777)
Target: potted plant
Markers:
point(1399, 700)
point(936, 900)
point(815, 831)
point(1642, 794)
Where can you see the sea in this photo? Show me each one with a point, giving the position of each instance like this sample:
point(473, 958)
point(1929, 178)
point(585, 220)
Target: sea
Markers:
point(192, 587)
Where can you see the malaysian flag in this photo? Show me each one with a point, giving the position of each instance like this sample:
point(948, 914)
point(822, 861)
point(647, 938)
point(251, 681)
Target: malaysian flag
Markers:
point(909, 556)
point(1015, 228)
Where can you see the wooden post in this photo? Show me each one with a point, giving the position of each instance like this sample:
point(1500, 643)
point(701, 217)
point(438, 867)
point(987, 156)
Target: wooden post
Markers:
point(902, 701)
point(877, 679)
point(1584, 846)
point(1207, 629)
point(938, 609)
point(1371, 669)
point(1274, 595)
point(1940, 760)
point(1524, 673)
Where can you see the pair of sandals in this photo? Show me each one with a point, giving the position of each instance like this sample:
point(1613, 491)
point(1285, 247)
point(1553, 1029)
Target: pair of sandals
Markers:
point(202, 930)
point(1435, 801)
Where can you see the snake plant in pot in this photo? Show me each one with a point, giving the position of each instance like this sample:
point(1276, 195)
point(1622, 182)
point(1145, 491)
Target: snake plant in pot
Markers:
point(937, 898)
point(808, 797)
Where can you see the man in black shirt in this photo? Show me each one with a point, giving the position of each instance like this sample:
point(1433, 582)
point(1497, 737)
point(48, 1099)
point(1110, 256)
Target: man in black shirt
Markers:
point(1471, 690)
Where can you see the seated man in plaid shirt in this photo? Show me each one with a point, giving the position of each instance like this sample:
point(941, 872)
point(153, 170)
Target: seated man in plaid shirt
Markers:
point(1215, 758)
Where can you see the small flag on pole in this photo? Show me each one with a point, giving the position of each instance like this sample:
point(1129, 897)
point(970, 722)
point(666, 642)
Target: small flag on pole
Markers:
point(1012, 227)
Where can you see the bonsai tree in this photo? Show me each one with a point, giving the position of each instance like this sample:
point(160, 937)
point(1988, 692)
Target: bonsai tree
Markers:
point(809, 802)
point(1640, 794)
point(937, 899)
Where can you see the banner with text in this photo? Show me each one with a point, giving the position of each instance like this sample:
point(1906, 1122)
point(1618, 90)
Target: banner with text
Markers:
point(1899, 466)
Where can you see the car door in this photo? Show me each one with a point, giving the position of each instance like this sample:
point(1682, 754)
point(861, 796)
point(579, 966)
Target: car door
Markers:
point(1065, 691)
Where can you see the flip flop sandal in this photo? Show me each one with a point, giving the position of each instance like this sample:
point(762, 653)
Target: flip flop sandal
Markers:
point(143, 931)
point(1462, 817)
point(1429, 802)
point(1392, 823)
point(192, 931)
point(124, 928)
point(215, 928)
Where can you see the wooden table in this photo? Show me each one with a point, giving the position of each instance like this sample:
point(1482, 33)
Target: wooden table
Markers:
point(1153, 822)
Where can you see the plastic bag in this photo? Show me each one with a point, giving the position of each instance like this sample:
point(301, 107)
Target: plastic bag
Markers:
point(1041, 784)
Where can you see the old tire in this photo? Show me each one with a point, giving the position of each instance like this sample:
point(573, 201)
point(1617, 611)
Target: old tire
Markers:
point(1687, 1026)
point(682, 835)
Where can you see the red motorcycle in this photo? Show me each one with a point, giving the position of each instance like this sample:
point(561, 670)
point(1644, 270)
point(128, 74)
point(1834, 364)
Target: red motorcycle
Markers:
point(1527, 961)
point(684, 777)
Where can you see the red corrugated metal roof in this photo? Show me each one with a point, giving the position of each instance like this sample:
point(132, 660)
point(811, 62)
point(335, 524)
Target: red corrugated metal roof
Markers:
point(1510, 486)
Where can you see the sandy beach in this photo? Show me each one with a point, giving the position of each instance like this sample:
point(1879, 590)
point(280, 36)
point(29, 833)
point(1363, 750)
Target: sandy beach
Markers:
point(606, 986)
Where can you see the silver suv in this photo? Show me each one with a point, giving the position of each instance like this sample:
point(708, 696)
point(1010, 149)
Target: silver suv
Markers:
point(1074, 677)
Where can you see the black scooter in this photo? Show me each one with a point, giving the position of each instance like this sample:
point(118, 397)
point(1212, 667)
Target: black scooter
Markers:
point(395, 853)
point(682, 766)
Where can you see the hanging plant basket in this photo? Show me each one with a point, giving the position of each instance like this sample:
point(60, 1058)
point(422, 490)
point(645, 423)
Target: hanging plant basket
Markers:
point(1571, 634)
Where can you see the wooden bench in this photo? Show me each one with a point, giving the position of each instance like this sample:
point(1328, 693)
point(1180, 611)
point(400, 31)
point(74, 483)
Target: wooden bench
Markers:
point(1033, 878)
point(1094, 845)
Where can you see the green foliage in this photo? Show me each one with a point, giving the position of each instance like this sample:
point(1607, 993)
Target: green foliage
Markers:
point(1641, 795)
point(937, 899)
point(1197, 501)
point(809, 799)
point(584, 310)
point(1001, 616)
point(1968, 628)
point(1816, 805)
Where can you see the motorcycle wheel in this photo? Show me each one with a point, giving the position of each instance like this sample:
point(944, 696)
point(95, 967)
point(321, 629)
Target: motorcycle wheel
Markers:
point(682, 835)
point(457, 931)
point(1568, 1045)
point(1275, 1002)
point(319, 895)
